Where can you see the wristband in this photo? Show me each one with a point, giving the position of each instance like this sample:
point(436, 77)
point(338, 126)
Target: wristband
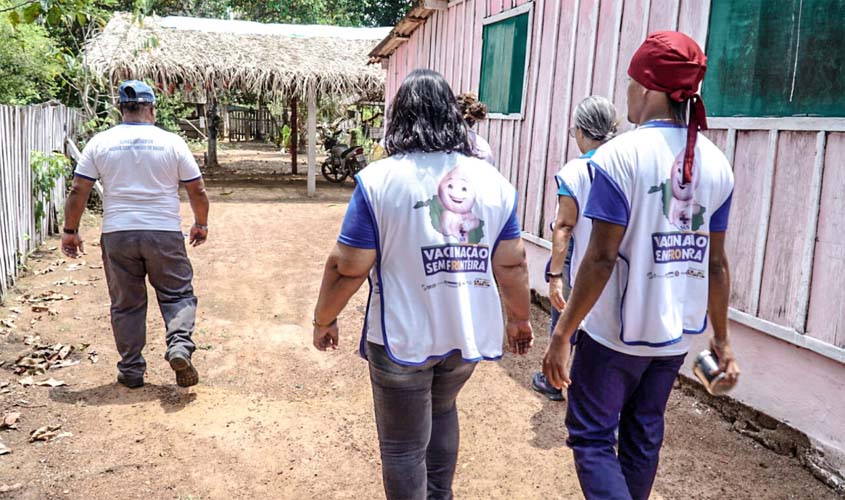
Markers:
point(554, 275)
point(71, 231)
point(200, 226)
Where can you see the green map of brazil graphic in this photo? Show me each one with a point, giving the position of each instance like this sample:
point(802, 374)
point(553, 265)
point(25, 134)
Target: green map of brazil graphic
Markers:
point(435, 211)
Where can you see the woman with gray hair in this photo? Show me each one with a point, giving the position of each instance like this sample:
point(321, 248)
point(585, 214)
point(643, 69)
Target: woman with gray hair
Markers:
point(595, 123)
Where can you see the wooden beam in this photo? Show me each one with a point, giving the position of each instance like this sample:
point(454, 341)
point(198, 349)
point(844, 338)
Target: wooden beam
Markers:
point(806, 123)
point(434, 4)
point(809, 250)
point(294, 134)
point(763, 229)
point(312, 139)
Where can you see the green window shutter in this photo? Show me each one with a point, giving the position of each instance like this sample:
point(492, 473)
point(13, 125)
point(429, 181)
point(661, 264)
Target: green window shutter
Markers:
point(503, 60)
point(776, 58)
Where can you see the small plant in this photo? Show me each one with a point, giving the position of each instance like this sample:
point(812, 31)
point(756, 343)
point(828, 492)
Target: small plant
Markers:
point(47, 169)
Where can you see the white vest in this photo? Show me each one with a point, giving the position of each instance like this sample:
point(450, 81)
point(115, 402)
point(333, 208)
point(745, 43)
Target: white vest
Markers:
point(577, 176)
point(432, 291)
point(659, 286)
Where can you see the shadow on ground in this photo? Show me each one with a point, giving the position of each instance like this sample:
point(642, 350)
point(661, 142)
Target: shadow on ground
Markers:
point(171, 398)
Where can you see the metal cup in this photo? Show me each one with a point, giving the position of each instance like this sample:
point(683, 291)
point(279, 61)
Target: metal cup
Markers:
point(706, 368)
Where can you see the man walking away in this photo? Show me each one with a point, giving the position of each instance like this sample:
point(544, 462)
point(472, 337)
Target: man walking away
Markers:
point(654, 269)
point(141, 167)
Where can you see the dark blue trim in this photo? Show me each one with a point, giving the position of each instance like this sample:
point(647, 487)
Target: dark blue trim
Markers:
point(501, 233)
point(77, 174)
point(622, 318)
point(661, 124)
point(138, 123)
point(192, 180)
point(569, 267)
point(696, 332)
point(362, 345)
point(618, 190)
point(577, 205)
point(719, 219)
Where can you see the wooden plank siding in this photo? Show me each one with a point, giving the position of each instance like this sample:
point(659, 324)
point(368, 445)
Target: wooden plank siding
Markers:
point(43, 128)
point(786, 268)
point(782, 266)
point(826, 320)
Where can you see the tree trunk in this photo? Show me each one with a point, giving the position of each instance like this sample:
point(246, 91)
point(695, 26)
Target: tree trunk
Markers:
point(213, 123)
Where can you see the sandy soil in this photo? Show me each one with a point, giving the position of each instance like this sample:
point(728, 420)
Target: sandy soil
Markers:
point(272, 417)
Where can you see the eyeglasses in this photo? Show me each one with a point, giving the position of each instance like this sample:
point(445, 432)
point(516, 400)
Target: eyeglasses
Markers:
point(572, 131)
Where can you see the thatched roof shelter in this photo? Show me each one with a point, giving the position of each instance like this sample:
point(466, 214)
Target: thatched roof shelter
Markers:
point(211, 56)
point(216, 55)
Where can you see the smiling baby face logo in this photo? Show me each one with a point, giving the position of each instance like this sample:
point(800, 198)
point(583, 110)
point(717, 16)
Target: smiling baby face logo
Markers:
point(679, 204)
point(451, 209)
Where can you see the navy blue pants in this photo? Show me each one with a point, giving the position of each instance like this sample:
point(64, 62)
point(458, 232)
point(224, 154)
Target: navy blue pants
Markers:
point(612, 390)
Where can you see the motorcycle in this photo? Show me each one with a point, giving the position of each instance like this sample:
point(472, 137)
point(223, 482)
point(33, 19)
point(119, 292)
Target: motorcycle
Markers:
point(343, 161)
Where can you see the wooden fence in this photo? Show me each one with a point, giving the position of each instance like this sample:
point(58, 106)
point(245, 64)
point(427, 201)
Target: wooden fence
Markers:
point(23, 130)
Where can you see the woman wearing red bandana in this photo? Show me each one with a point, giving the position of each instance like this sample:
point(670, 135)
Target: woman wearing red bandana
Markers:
point(654, 271)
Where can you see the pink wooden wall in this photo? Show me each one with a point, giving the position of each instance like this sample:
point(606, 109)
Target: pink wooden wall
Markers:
point(582, 47)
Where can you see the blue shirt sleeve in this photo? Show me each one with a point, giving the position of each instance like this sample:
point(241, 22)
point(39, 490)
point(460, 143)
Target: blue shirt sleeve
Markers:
point(511, 231)
point(606, 201)
point(563, 189)
point(358, 230)
point(719, 220)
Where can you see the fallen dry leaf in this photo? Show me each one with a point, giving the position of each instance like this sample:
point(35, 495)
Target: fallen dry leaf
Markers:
point(4, 451)
point(5, 488)
point(93, 357)
point(51, 382)
point(95, 266)
point(74, 267)
point(4, 384)
point(40, 309)
point(8, 323)
point(26, 382)
point(16, 310)
point(32, 339)
point(10, 421)
point(45, 433)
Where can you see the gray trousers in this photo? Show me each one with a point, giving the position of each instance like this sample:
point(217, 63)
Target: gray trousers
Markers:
point(417, 422)
point(128, 258)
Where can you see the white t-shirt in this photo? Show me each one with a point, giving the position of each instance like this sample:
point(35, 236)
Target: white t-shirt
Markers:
point(482, 148)
point(140, 166)
point(435, 220)
point(658, 290)
point(576, 178)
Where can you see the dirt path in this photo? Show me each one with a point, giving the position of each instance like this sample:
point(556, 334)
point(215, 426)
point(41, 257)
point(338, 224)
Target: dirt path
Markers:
point(273, 418)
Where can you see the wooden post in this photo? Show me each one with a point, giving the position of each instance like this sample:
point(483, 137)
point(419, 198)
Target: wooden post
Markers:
point(312, 139)
point(294, 133)
point(213, 122)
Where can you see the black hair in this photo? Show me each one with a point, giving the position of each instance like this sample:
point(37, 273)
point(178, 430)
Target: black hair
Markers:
point(424, 117)
point(679, 110)
point(133, 107)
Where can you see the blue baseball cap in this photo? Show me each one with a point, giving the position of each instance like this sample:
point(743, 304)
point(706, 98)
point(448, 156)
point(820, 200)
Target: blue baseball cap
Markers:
point(136, 91)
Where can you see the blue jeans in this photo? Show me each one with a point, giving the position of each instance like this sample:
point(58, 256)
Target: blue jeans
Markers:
point(417, 421)
point(612, 390)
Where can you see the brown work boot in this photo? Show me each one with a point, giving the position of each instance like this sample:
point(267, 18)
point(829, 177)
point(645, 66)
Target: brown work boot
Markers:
point(186, 374)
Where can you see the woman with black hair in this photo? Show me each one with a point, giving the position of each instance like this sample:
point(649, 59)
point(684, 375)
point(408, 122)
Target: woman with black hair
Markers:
point(435, 230)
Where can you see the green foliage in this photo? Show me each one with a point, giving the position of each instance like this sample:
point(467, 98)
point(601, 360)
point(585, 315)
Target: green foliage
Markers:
point(170, 110)
point(29, 64)
point(46, 170)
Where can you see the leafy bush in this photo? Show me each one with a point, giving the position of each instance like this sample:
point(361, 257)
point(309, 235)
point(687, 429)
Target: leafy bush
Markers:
point(47, 169)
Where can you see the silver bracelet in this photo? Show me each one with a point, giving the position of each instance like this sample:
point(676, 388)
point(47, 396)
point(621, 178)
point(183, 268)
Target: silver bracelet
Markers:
point(200, 226)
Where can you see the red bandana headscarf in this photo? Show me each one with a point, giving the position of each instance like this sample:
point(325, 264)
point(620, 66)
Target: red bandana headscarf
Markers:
point(671, 62)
